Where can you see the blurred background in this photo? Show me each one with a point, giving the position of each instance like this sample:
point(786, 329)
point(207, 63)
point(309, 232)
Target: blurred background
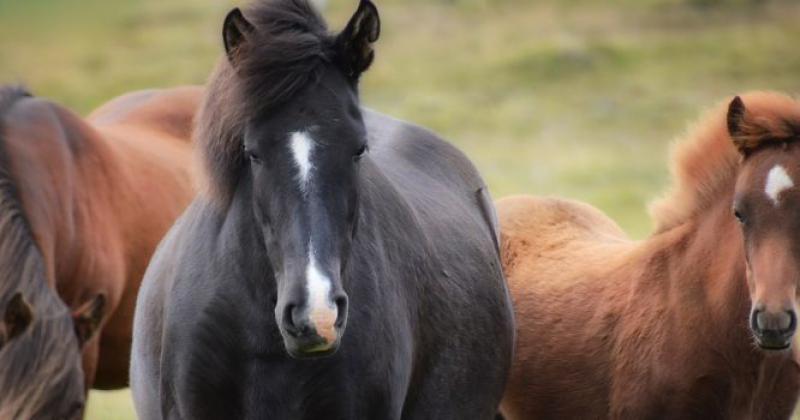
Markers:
point(576, 98)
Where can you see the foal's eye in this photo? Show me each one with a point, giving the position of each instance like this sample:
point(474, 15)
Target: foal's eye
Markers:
point(360, 152)
point(739, 216)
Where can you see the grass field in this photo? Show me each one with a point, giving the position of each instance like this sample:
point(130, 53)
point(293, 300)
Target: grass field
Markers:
point(576, 98)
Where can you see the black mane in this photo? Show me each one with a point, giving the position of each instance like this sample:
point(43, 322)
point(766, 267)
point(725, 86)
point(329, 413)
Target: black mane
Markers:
point(289, 47)
point(285, 52)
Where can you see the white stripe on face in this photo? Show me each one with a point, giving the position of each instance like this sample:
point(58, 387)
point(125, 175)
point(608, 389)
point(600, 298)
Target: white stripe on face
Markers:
point(302, 146)
point(778, 181)
point(321, 310)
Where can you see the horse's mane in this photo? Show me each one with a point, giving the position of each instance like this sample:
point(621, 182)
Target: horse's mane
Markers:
point(20, 259)
point(285, 52)
point(706, 162)
point(15, 234)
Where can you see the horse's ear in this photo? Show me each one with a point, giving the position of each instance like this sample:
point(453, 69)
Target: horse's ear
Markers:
point(355, 41)
point(17, 318)
point(235, 31)
point(88, 317)
point(736, 124)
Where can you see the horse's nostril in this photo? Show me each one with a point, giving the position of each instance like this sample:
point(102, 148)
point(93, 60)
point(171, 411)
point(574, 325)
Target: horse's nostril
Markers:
point(790, 322)
point(764, 322)
point(756, 320)
point(341, 310)
point(288, 319)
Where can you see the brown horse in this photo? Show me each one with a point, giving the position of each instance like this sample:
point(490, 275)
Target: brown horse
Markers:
point(97, 196)
point(694, 322)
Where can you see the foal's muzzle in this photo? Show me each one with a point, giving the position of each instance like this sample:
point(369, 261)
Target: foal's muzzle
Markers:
point(773, 330)
point(313, 332)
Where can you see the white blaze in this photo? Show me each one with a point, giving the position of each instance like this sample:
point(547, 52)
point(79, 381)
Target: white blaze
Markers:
point(302, 145)
point(778, 181)
point(321, 310)
point(318, 285)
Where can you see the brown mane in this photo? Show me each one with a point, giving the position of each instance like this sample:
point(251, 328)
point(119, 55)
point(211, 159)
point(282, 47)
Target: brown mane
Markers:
point(289, 44)
point(705, 163)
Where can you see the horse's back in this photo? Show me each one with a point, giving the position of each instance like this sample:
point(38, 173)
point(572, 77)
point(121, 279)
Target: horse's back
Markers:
point(151, 132)
point(168, 112)
point(530, 215)
point(532, 225)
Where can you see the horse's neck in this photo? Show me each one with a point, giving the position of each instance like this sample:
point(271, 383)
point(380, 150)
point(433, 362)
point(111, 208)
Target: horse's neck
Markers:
point(709, 270)
point(66, 174)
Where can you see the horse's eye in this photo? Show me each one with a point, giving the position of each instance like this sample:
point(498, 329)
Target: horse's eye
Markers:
point(360, 152)
point(254, 158)
point(739, 216)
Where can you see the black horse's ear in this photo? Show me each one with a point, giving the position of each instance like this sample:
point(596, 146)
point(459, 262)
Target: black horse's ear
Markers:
point(235, 31)
point(355, 41)
point(88, 317)
point(18, 316)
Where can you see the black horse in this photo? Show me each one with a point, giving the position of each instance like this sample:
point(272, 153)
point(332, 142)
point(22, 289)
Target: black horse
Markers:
point(342, 264)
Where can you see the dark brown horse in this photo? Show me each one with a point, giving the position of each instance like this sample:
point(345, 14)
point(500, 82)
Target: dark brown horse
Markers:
point(695, 322)
point(91, 199)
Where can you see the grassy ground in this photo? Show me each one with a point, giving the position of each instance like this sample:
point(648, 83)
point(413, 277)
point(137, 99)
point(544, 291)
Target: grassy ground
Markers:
point(571, 97)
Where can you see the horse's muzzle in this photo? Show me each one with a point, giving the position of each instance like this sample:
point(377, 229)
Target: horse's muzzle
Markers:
point(773, 331)
point(314, 333)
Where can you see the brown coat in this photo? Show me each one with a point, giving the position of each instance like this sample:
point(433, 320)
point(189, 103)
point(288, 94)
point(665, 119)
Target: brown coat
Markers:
point(614, 328)
point(99, 194)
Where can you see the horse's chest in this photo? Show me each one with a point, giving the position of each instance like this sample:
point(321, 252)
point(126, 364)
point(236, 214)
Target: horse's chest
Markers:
point(240, 363)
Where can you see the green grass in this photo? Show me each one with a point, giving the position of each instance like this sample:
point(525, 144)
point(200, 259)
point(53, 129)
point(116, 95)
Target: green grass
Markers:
point(577, 98)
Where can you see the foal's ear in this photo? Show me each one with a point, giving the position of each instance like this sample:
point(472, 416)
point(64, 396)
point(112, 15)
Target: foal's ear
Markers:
point(736, 124)
point(235, 31)
point(355, 41)
point(87, 318)
point(18, 316)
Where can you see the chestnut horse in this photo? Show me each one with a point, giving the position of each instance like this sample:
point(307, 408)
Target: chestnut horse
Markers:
point(93, 198)
point(696, 321)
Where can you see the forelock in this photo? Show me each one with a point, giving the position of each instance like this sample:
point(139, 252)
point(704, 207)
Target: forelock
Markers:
point(287, 50)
